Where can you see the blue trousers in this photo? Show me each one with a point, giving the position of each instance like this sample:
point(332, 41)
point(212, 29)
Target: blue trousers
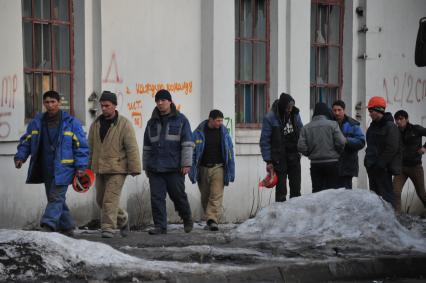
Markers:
point(56, 215)
point(172, 183)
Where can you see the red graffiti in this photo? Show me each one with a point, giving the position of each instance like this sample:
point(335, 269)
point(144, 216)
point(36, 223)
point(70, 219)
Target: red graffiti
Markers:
point(9, 87)
point(115, 79)
point(4, 126)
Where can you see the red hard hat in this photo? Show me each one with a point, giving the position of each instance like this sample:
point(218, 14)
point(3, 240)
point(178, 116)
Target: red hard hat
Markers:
point(377, 102)
point(269, 181)
point(84, 183)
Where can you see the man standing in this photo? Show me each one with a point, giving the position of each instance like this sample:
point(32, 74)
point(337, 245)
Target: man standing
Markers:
point(58, 148)
point(278, 144)
point(355, 141)
point(167, 158)
point(383, 153)
point(114, 154)
point(322, 141)
point(213, 165)
point(411, 158)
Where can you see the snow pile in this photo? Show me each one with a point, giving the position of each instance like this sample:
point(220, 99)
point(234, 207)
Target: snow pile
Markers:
point(26, 255)
point(353, 216)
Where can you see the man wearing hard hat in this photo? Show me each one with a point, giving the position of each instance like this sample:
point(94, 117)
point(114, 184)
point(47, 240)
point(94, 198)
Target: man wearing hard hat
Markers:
point(383, 153)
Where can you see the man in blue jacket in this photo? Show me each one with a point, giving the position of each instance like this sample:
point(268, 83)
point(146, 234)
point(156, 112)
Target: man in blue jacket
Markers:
point(355, 141)
point(213, 165)
point(167, 158)
point(58, 148)
point(278, 145)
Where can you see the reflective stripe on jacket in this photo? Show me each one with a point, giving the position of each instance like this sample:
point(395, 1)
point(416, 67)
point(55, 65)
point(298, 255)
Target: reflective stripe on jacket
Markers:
point(227, 153)
point(167, 147)
point(72, 152)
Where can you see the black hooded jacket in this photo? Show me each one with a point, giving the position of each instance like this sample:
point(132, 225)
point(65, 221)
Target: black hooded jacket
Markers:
point(383, 145)
point(412, 141)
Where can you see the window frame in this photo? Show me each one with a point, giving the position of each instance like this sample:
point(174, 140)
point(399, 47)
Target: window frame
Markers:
point(252, 39)
point(52, 71)
point(313, 44)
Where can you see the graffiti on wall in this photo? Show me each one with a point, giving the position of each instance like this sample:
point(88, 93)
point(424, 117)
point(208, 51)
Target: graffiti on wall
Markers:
point(112, 75)
point(135, 108)
point(174, 87)
point(229, 124)
point(9, 87)
point(404, 89)
point(131, 98)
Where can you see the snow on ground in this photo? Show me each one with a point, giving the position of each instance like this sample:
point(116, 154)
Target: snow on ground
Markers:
point(33, 254)
point(357, 216)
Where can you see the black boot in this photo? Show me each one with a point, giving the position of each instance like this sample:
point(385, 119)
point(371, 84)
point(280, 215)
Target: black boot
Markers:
point(157, 231)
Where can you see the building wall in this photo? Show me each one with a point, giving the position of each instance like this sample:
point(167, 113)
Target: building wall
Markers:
point(188, 47)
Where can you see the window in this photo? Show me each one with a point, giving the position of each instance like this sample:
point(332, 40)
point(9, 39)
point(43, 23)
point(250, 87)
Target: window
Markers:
point(251, 61)
point(47, 45)
point(326, 50)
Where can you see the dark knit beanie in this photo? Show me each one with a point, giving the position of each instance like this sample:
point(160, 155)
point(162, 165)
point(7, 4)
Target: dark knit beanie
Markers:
point(163, 94)
point(109, 96)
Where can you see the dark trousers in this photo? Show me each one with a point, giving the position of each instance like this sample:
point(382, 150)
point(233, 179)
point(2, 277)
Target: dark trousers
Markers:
point(324, 176)
point(380, 182)
point(293, 174)
point(416, 175)
point(56, 215)
point(172, 183)
point(344, 182)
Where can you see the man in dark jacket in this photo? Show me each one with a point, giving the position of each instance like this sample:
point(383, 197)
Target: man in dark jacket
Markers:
point(167, 158)
point(411, 158)
point(383, 153)
point(278, 144)
point(213, 165)
point(322, 142)
point(58, 148)
point(355, 141)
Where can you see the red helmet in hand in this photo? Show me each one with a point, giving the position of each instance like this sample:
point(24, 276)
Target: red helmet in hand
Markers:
point(84, 183)
point(269, 181)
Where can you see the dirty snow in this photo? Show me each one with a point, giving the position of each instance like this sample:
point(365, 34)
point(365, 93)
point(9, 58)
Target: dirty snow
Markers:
point(52, 254)
point(357, 216)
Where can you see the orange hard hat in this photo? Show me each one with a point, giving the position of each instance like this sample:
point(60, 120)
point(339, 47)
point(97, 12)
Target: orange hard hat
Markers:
point(269, 181)
point(84, 183)
point(377, 103)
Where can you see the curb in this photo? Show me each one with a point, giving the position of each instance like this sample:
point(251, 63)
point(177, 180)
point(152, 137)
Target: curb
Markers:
point(353, 269)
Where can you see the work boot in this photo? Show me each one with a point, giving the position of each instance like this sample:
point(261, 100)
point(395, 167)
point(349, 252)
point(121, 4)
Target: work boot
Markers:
point(68, 232)
point(125, 229)
point(212, 225)
point(46, 228)
point(107, 234)
point(188, 224)
point(157, 231)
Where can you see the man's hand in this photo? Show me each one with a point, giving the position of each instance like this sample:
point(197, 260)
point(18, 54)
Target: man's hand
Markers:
point(269, 168)
point(185, 170)
point(422, 150)
point(80, 173)
point(18, 163)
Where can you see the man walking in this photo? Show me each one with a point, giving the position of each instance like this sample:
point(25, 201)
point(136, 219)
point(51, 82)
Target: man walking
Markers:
point(278, 144)
point(167, 158)
point(213, 165)
point(383, 153)
point(411, 158)
point(355, 141)
point(114, 154)
point(58, 148)
point(322, 142)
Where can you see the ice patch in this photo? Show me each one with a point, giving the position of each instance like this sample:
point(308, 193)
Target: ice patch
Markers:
point(357, 216)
